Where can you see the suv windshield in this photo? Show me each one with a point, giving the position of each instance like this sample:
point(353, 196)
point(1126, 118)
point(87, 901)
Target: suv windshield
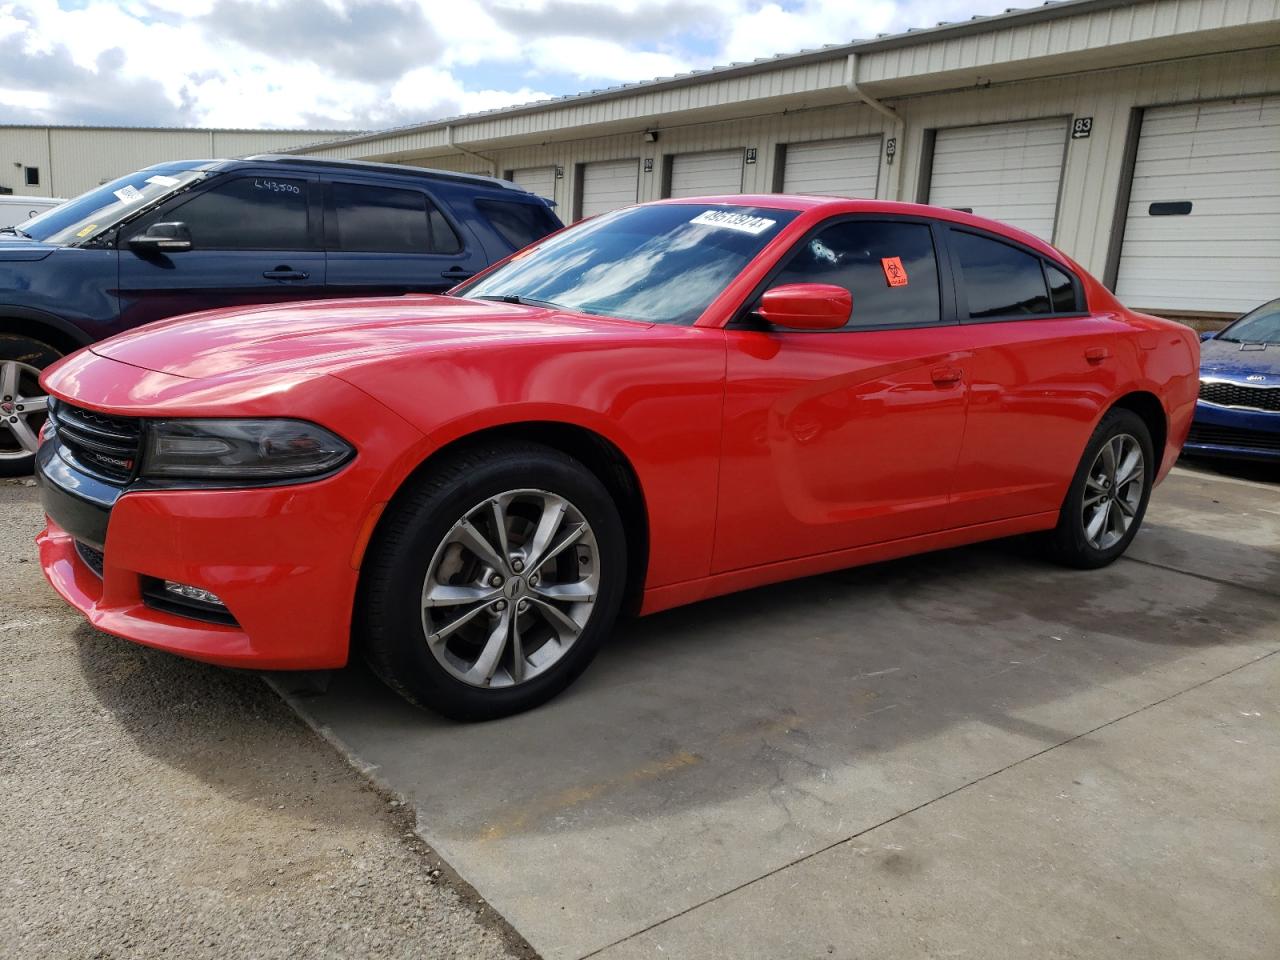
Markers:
point(659, 264)
point(103, 206)
point(1258, 326)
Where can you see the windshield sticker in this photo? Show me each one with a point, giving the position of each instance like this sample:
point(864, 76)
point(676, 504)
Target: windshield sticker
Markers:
point(128, 194)
point(894, 271)
point(87, 230)
point(742, 222)
point(162, 181)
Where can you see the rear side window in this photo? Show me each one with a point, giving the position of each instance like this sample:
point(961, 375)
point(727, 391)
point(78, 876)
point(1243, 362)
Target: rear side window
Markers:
point(520, 224)
point(1062, 290)
point(888, 266)
point(1001, 280)
point(385, 220)
point(250, 213)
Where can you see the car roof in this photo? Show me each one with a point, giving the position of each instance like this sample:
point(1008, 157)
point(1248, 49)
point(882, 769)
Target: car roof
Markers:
point(832, 206)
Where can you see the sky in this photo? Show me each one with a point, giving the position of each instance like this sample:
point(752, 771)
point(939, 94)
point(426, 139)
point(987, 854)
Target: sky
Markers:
point(371, 64)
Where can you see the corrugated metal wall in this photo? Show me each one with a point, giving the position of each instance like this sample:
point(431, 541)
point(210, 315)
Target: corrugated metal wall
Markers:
point(74, 159)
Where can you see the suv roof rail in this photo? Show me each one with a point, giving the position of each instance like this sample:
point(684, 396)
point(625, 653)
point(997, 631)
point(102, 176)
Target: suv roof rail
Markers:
point(427, 173)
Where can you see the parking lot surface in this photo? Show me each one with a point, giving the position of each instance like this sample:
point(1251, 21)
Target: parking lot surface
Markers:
point(971, 753)
point(155, 807)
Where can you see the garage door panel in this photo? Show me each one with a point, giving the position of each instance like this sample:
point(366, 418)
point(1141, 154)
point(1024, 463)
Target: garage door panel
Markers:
point(706, 174)
point(539, 180)
point(833, 168)
point(1007, 171)
point(608, 185)
point(1224, 255)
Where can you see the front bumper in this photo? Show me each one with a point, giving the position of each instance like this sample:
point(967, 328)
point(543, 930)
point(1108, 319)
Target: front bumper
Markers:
point(1234, 432)
point(282, 559)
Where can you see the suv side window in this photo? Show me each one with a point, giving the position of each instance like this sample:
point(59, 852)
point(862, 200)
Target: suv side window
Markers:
point(248, 213)
point(889, 266)
point(1002, 281)
point(386, 220)
point(520, 224)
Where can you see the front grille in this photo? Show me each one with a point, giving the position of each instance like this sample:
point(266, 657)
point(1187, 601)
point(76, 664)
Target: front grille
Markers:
point(1234, 437)
point(1238, 395)
point(91, 556)
point(107, 447)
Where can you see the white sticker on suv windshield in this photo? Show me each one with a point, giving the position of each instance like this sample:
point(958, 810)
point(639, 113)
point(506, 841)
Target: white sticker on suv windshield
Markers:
point(742, 222)
point(129, 194)
point(163, 181)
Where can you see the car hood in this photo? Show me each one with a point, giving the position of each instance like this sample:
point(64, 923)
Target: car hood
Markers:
point(327, 336)
point(1227, 361)
point(16, 248)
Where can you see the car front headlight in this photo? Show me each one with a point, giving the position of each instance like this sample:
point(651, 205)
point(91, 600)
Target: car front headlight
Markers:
point(255, 451)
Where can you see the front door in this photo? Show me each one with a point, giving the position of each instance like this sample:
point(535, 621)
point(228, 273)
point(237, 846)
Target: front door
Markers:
point(850, 437)
point(254, 239)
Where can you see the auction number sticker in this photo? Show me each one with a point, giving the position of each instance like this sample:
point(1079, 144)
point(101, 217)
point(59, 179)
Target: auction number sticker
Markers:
point(741, 222)
point(276, 186)
point(128, 194)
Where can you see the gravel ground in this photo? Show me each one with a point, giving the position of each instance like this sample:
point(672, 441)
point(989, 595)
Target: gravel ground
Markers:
point(155, 807)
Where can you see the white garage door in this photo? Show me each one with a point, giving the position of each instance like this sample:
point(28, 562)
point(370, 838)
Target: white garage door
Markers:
point(706, 174)
point(833, 168)
point(1202, 232)
point(539, 180)
point(608, 185)
point(1005, 171)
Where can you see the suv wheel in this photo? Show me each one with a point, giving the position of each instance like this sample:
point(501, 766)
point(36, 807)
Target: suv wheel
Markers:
point(23, 404)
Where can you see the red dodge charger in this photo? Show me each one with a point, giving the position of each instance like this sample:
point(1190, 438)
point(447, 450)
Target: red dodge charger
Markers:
point(669, 402)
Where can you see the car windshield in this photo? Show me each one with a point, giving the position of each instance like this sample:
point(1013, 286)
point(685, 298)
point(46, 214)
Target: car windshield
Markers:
point(94, 211)
point(657, 264)
point(1259, 326)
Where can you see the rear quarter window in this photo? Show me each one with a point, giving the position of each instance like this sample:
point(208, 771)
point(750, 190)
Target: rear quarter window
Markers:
point(520, 224)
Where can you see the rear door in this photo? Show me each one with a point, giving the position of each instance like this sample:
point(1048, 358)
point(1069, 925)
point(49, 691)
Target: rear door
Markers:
point(839, 439)
point(1042, 370)
point(387, 241)
point(255, 238)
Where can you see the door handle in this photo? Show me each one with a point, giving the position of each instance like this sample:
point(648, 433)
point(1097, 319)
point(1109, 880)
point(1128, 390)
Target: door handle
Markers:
point(946, 375)
point(1096, 354)
point(457, 273)
point(285, 273)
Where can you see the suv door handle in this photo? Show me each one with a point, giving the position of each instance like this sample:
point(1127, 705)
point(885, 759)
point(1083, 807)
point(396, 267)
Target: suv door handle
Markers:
point(285, 273)
point(1096, 354)
point(946, 375)
point(457, 273)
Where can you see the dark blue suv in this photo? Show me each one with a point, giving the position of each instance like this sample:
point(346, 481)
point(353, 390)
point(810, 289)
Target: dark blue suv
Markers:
point(200, 234)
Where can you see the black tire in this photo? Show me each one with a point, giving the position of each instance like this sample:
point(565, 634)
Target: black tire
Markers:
point(1068, 542)
point(37, 355)
point(389, 621)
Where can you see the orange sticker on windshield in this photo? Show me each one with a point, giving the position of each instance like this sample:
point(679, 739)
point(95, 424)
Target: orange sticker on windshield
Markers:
point(894, 271)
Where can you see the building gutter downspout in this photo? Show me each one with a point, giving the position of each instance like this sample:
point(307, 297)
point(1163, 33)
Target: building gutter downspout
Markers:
point(493, 164)
point(893, 186)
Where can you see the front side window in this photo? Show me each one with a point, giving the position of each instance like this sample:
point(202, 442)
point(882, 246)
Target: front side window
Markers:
point(248, 213)
point(999, 280)
point(658, 264)
point(520, 224)
point(888, 266)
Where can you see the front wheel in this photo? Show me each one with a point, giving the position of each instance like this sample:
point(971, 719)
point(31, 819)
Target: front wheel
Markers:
point(23, 404)
point(493, 582)
point(1108, 495)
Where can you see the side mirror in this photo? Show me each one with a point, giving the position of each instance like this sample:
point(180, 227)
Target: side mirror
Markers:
point(163, 238)
point(1207, 335)
point(806, 306)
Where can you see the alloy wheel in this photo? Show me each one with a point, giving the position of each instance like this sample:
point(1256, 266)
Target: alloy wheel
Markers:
point(22, 409)
point(510, 588)
point(1113, 491)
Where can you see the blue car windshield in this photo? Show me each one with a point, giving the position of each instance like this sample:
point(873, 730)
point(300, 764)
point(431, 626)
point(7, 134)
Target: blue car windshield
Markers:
point(90, 213)
point(657, 264)
point(1259, 326)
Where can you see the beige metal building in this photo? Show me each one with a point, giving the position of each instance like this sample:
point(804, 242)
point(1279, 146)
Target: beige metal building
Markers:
point(66, 161)
point(1143, 138)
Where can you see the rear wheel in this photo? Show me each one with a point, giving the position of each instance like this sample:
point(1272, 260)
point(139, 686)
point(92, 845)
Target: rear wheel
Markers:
point(23, 404)
point(1108, 495)
point(493, 582)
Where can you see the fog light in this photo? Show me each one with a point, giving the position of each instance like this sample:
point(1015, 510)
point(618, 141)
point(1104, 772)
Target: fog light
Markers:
point(188, 592)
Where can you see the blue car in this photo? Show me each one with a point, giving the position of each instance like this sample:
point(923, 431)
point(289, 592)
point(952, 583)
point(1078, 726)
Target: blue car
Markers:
point(180, 237)
point(1238, 413)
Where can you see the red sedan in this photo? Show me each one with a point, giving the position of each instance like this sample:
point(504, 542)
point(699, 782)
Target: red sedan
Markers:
point(669, 402)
